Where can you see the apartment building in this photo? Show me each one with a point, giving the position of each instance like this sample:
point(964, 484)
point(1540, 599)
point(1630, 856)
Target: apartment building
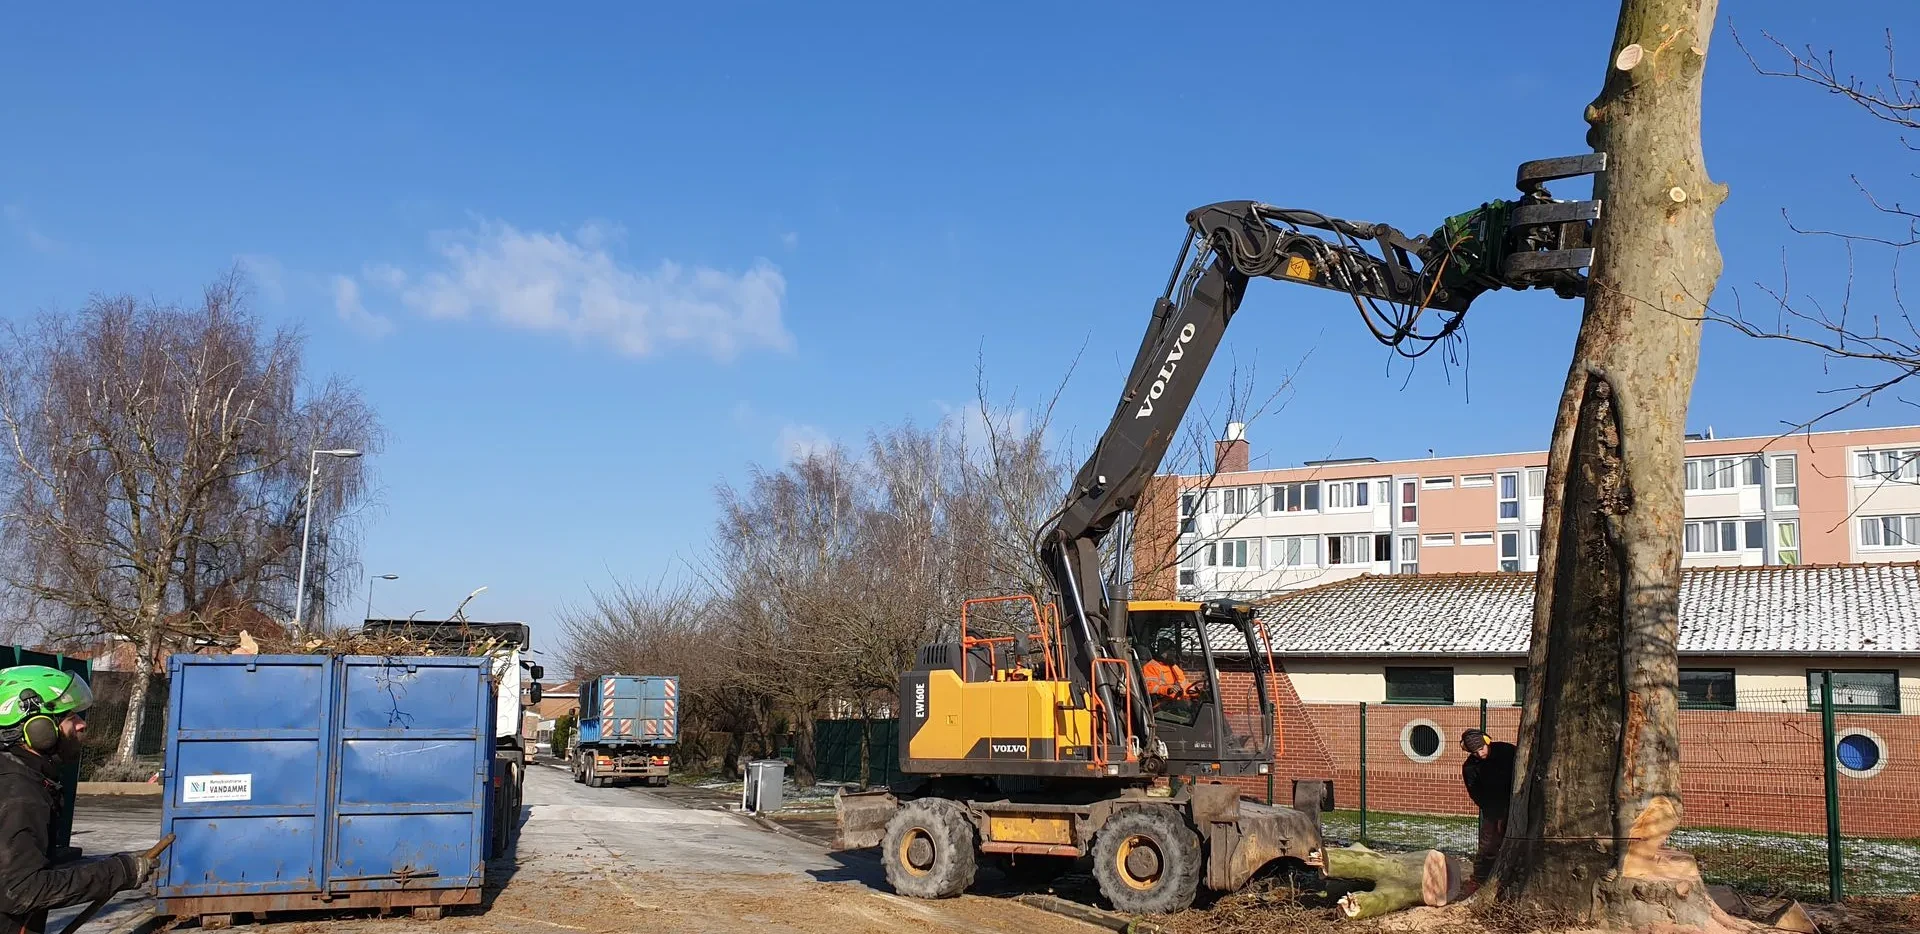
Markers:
point(1811, 498)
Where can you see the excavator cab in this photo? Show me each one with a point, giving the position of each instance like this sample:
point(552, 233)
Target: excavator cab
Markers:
point(1207, 727)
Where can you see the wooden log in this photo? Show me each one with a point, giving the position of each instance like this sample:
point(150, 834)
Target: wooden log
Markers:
point(1400, 880)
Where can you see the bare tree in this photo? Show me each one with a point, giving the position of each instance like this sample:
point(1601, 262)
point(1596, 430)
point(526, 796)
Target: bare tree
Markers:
point(1884, 339)
point(156, 461)
point(1598, 767)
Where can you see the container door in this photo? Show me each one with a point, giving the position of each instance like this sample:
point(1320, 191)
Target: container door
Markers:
point(620, 708)
point(659, 703)
point(412, 764)
point(246, 767)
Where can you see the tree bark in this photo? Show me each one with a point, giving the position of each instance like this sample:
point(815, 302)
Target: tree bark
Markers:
point(1400, 880)
point(1598, 767)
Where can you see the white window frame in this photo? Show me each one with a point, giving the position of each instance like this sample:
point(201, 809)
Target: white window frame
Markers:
point(1536, 480)
point(1505, 501)
point(1476, 538)
point(1786, 465)
point(1889, 465)
point(1905, 526)
point(1363, 539)
point(1409, 500)
point(1510, 537)
point(1281, 548)
point(1345, 495)
point(1407, 550)
point(1477, 480)
point(1240, 554)
point(1720, 473)
point(1709, 536)
point(1436, 483)
point(1436, 540)
point(1786, 538)
point(1280, 494)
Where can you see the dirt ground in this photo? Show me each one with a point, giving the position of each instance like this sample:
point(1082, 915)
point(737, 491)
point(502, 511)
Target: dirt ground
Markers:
point(605, 900)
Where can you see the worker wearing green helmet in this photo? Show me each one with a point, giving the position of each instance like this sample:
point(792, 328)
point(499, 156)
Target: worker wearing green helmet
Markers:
point(42, 723)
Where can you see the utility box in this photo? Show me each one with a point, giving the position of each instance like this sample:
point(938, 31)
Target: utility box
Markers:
point(319, 782)
point(765, 778)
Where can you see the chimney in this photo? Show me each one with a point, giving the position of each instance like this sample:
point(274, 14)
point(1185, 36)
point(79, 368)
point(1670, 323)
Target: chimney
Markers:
point(1230, 453)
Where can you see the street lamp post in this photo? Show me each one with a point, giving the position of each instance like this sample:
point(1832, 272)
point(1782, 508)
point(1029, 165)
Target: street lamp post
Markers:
point(306, 527)
point(370, 580)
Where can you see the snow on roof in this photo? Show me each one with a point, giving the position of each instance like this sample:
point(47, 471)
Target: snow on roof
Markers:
point(1852, 609)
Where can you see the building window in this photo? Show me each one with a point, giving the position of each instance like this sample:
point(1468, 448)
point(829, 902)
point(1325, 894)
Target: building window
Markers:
point(1786, 541)
point(1295, 497)
point(1437, 540)
point(1347, 494)
point(1537, 483)
point(1722, 473)
point(1186, 512)
point(1509, 496)
point(1190, 570)
point(1717, 536)
point(1890, 532)
point(1352, 549)
point(1294, 551)
point(1436, 483)
point(1509, 551)
point(1706, 688)
point(1420, 740)
point(1409, 502)
point(1240, 500)
point(1476, 538)
point(1859, 753)
point(1858, 691)
point(1533, 543)
point(1519, 685)
point(1409, 554)
point(1786, 482)
point(1477, 480)
point(1235, 553)
point(1878, 466)
point(1420, 686)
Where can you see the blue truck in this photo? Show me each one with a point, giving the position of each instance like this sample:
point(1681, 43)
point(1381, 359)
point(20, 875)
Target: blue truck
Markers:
point(629, 725)
point(298, 782)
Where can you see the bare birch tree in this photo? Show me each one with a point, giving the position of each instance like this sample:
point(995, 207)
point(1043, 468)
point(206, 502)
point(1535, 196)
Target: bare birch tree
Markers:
point(156, 461)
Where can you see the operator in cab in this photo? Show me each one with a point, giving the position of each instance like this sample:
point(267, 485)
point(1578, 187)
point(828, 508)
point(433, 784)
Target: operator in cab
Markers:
point(1166, 680)
point(42, 724)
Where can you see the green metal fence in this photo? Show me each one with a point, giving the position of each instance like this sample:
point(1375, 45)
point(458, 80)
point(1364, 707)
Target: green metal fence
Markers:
point(1811, 792)
point(70, 775)
point(837, 745)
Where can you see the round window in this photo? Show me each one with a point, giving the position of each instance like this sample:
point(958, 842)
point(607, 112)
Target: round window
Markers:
point(1860, 753)
point(1420, 740)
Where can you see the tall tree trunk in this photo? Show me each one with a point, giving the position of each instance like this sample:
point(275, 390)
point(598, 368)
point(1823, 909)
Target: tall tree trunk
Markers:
point(805, 765)
point(144, 651)
point(1598, 769)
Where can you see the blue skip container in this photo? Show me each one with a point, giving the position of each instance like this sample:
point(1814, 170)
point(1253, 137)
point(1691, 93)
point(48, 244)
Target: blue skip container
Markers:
point(302, 782)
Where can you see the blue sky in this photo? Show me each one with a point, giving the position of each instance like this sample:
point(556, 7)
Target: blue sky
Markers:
point(590, 264)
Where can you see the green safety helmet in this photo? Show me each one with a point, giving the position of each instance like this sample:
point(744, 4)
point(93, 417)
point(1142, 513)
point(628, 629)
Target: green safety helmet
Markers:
point(27, 691)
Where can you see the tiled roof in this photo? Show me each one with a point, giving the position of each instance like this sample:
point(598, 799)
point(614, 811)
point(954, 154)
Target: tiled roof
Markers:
point(1805, 609)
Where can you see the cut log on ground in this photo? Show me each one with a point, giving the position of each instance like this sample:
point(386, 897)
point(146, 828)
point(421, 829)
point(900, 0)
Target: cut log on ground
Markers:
point(1400, 880)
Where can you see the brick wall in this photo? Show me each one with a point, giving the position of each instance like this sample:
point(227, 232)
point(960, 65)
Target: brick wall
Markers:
point(1743, 770)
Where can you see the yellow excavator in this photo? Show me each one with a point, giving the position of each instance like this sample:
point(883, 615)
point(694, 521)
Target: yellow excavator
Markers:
point(1059, 742)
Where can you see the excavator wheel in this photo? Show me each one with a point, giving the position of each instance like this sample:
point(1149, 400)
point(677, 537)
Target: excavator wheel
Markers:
point(929, 849)
point(1147, 861)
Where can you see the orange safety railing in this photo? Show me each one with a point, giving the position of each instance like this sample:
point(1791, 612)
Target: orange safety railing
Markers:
point(1273, 678)
point(1047, 646)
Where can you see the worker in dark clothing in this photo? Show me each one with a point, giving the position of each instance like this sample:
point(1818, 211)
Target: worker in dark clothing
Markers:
point(1488, 775)
point(42, 723)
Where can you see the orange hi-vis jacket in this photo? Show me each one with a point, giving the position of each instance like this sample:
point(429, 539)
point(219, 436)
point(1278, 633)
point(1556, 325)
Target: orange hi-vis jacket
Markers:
point(1164, 680)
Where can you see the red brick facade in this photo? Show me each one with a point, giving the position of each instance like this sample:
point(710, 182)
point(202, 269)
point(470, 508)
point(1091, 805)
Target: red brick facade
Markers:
point(1742, 770)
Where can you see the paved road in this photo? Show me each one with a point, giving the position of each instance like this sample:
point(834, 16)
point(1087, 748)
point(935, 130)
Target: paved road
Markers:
point(612, 859)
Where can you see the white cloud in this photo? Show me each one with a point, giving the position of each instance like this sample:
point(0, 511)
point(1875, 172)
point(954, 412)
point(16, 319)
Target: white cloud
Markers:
point(267, 273)
point(346, 303)
point(540, 281)
point(798, 442)
point(25, 229)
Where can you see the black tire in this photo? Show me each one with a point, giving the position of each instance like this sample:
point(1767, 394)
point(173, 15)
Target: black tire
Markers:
point(593, 780)
point(928, 851)
point(1147, 861)
point(579, 776)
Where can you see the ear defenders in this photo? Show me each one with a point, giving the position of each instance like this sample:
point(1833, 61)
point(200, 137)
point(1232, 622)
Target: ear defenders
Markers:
point(39, 732)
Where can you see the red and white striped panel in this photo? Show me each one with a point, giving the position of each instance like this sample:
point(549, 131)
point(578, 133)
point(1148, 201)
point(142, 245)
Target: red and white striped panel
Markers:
point(623, 727)
point(653, 727)
point(606, 706)
point(673, 687)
